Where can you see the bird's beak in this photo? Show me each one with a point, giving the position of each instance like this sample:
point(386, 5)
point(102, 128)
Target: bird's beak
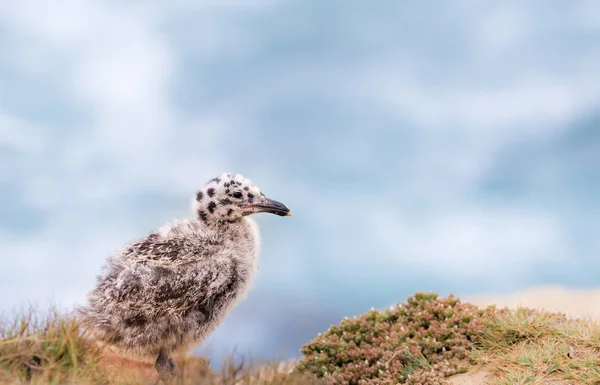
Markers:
point(269, 206)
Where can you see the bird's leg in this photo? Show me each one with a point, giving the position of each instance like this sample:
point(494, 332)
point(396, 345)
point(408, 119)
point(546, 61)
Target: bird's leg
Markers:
point(165, 366)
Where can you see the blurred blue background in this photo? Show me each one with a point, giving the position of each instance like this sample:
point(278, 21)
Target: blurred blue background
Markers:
point(452, 146)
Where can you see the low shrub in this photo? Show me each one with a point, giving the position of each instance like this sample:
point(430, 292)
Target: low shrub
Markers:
point(419, 342)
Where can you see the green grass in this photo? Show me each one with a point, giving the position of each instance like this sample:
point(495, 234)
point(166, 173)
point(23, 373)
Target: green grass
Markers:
point(426, 340)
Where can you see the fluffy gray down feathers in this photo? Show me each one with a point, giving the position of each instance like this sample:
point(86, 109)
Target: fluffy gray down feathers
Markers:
point(169, 290)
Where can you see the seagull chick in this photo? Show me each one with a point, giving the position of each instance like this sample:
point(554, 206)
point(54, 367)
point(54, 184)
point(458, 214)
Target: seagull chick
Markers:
point(168, 291)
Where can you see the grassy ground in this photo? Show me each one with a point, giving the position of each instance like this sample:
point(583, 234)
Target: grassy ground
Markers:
point(49, 348)
point(525, 346)
point(427, 340)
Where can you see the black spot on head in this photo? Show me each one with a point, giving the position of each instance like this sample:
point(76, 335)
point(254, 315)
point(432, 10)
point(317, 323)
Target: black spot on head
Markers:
point(246, 188)
point(250, 195)
point(216, 180)
point(225, 201)
point(229, 212)
point(199, 196)
point(227, 184)
point(227, 191)
point(202, 216)
point(211, 192)
point(212, 206)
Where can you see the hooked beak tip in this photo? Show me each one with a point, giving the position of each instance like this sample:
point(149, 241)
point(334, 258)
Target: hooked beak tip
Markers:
point(270, 206)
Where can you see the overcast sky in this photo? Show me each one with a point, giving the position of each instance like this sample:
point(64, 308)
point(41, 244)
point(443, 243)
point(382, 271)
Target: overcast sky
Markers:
point(453, 146)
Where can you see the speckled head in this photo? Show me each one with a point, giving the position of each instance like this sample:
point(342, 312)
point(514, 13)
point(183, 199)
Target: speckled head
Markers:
point(230, 197)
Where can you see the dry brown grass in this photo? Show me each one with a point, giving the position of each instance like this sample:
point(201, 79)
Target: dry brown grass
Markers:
point(525, 346)
point(45, 349)
point(49, 348)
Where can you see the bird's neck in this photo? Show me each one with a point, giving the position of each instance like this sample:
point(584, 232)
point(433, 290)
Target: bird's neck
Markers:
point(241, 225)
point(243, 233)
point(220, 225)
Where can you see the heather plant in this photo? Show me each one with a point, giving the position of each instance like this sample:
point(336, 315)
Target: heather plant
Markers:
point(419, 342)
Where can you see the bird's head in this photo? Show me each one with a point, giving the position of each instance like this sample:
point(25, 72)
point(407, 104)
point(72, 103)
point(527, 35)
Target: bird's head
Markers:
point(231, 197)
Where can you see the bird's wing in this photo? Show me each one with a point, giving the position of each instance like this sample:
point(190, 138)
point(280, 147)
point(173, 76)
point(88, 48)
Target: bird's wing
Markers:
point(172, 275)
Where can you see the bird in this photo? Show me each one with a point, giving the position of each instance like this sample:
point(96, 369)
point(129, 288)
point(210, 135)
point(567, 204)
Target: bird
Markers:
point(165, 292)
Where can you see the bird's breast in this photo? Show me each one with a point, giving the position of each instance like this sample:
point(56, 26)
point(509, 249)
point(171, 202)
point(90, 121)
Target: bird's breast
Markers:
point(244, 243)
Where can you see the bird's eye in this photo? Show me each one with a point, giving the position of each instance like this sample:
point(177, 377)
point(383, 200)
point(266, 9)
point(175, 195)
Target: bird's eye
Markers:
point(237, 194)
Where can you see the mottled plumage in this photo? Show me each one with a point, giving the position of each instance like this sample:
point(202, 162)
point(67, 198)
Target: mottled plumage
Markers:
point(169, 290)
